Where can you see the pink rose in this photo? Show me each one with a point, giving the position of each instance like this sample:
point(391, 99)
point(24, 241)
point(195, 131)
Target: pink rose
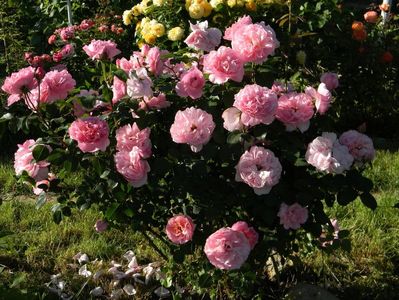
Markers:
point(222, 65)
point(91, 133)
point(101, 226)
point(325, 153)
point(154, 61)
point(232, 119)
point(360, 145)
point(24, 162)
point(257, 104)
point(51, 40)
point(259, 168)
point(293, 216)
point(371, 16)
point(295, 110)
point(67, 33)
point(322, 97)
point(180, 229)
point(241, 22)
point(125, 65)
point(130, 136)
point(330, 80)
point(202, 37)
point(98, 49)
point(19, 83)
point(227, 249)
point(191, 84)
point(132, 166)
point(157, 102)
point(67, 50)
point(254, 42)
point(249, 232)
point(282, 88)
point(119, 89)
point(192, 126)
point(39, 187)
point(139, 85)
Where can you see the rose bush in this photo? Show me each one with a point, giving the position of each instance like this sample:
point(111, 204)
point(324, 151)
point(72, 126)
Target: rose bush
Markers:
point(181, 139)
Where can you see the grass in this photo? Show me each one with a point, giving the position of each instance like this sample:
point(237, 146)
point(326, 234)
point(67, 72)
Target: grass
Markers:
point(38, 248)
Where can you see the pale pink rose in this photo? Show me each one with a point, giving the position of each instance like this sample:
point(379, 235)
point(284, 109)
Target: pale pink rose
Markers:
point(325, 153)
point(130, 136)
point(98, 49)
point(192, 126)
point(180, 229)
point(24, 162)
point(154, 61)
point(139, 85)
point(191, 84)
point(322, 97)
point(132, 166)
point(232, 119)
point(292, 216)
point(125, 65)
point(51, 40)
point(259, 168)
point(360, 145)
point(295, 110)
point(282, 88)
point(157, 102)
point(67, 51)
point(241, 22)
point(227, 249)
point(254, 42)
point(19, 83)
point(330, 80)
point(119, 89)
point(249, 232)
point(257, 104)
point(91, 133)
point(55, 86)
point(101, 226)
point(222, 65)
point(67, 33)
point(86, 24)
point(202, 37)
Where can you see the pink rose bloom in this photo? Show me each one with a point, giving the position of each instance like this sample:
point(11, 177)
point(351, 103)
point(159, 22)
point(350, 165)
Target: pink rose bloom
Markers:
point(259, 168)
point(241, 22)
point(98, 49)
point(19, 83)
point(232, 119)
point(51, 40)
point(371, 16)
point(119, 89)
point(157, 102)
point(249, 232)
point(222, 65)
point(293, 216)
point(295, 110)
point(325, 153)
point(132, 166)
point(67, 50)
point(101, 226)
point(192, 126)
point(86, 24)
point(254, 42)
point(24, 162)
point(191, 84)
point(360, 145)
point(125, 65)
point(91, 133)
point(67, 33)
point(139, 85)
point(322, 97)
point(130, 136)
point(257, 104)
point(330, 80)
point(227, 249)
point(180, 229)
point(281, 88)
point(202, 37)
point(55, 86)
point(154, 61)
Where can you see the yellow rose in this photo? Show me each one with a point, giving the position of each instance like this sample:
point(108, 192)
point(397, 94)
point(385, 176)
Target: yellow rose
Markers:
point(250, 5)
point(196, 11)
point(158, 29)
point(127, 17)
point(158, 2)
point(175, 34)
point(207, 8)
point(215, 3)
point(231, 3)
point(149, 38)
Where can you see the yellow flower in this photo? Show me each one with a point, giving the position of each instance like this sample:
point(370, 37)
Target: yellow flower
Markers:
point(158, 29)
point(215, 3)
point(175, 34)
point(207, 8)
point(127, 17)
point(196, 11)
point(240, 3)
point(250, 5)
point(231, 3)
point(188, 4)
point(158, 2)
point(137, 10)
point(149, 38)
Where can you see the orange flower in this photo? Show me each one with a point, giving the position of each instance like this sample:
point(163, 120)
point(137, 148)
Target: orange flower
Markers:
point(371, 16)
point(359, 35)
point(384, 7)
point(357, 26)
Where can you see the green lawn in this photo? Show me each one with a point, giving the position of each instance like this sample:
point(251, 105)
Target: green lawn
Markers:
point(37, 248)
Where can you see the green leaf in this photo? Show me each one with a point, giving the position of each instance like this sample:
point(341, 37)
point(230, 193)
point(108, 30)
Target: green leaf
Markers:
point(111, 210)
point(41, 200)
point(6, 117)
point(128, 212)
point(120, 74)
point(40, 152)
point(346, 196)
point(369, 200)
point(18, 280)
point(234, 137)
point(56, 156)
